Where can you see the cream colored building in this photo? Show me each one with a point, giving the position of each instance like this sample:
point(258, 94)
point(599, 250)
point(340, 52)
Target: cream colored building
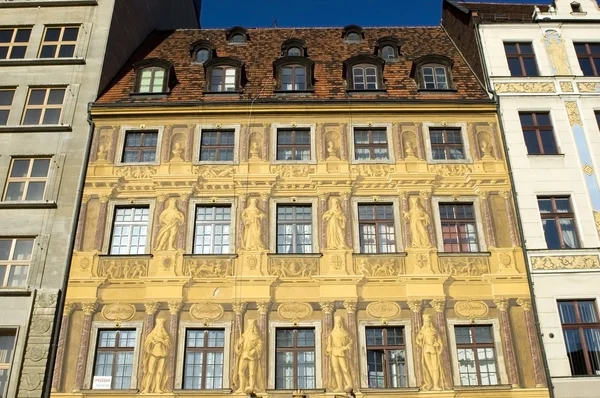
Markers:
point(543, 64)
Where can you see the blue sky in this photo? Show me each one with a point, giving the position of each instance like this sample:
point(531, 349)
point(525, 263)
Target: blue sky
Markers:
point(301, 13)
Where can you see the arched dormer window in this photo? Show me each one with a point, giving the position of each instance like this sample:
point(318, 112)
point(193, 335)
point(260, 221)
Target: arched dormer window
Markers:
point(353, 34)
point(364, 73)
point(202, 51)
point(433, 72)
point(153, 76)
point(388, 48)
point(237, 35)
point(224, 75)
point(293, 73)
point(293, 48)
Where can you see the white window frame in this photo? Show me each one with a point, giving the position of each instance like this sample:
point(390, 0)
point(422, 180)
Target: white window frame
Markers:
point(314, 202)
point(367, 200)
point(118, 161)
point(95, 331)
point(313, 147)
point(191, 225)
point(465, 138)
point(474, 200)
point(390, 139)
point(500, 363)
point(364, 67)
point(110, 216)
point(273, 326)
point(180, 358)
point(362, 347)
point(198, 142)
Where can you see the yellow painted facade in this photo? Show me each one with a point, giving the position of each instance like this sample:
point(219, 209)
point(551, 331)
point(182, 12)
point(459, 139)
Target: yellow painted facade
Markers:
point(408, 288)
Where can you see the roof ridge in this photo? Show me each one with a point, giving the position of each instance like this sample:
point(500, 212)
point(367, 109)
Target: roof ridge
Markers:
point(321, 27)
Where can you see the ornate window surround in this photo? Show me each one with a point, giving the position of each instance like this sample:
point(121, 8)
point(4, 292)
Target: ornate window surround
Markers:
point(391, 156)
point(180, 355)
point(416, 71)
point(435, 208)
point(118, 161)
point(451, 322)
point(191, 222)
point(273, 142)
point(388, 41)
point(237, 30)
point(367, 200)
point(465, 138)
point(96, 326)
point(362, 347)
point(198, 140)
point(224, 61)
point(202, 45)
point(110, 216)
point(273, 326)
point(308, 65)
point(153, 62)
point(368, 59)
point(315, 223)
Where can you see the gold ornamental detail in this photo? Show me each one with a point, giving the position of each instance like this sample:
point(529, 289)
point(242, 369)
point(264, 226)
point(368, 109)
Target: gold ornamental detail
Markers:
point(525, 88)
point(295, 311)
point(565, 262)
point(118, 312)
point(383, 310)
point(471, 309)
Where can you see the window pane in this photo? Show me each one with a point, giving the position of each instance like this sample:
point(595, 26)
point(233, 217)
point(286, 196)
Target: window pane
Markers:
point(515, 67)
point(575, 351)
point(52, 34)
point(35, 191)
point(51, 116)
point(40, 168)
point(551, 234)
point(66, 51)
point(70, 34)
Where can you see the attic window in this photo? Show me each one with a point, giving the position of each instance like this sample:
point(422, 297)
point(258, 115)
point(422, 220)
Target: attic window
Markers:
point(293, 48)
point(353, 34)
point(294, 52)
point(202, 55)
point(237, 38)
point(575, 7)
point(353, 37)
point(388, 52)
point(388, 48)
point(237, 35)
point(152, 76)
point(224, 75)
point(364, 73)
point(433, 72)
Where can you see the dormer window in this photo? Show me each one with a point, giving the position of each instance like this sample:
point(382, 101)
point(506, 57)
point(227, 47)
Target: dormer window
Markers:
point(294, 52)
point(293, 72)
point(237, 35)
point(202, 55)
point(293, 48)
point(388, 48)
point(353, 34)
point(575, 7)
point(364, 72)
point(293, 78)
point(388, 52)
point(223, 75)
point(433, 72)
point(201, 51)
point(152, 76)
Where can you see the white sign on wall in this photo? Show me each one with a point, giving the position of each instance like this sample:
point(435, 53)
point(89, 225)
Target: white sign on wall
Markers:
point(102, 383)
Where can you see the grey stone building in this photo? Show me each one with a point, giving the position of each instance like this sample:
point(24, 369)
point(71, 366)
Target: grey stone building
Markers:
point(55, 57)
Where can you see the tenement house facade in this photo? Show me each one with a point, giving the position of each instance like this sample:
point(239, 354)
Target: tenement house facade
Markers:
point(298, 212)
point(543, 63)
point(52, 55)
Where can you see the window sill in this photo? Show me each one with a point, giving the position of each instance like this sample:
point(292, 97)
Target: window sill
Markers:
point(373, 161)
point(222, 93)
point(400, 390)
point(24, 204)
point(136, 95)
point(304, 391)
point(294, 92)
point(366, 92)
point(15, 291)
point(577, 377)
point(109, 392)
point(135, 164)
point(432, 90)
point(47, 3)
point(214, 163)
point(449, 161)
point(42, 61)
point(287, 255)
point(37, 128)
point(293, 162)
point(398, 254)
point(203, 392)
point(120, 256)
point(549, 156)
point(465, 254)
point(472, 388)
point(211, 256)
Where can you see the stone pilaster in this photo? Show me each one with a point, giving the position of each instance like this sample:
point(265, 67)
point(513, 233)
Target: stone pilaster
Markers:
point(264, 206)
point(439, 305)
point(60, 349)
point(512, 224)
point(426, 196)
point(503, 304)
point(240, 227)
point(238, 309)
point(534, 346)
point(160, 206)
point(350, 307)
point(323, 197)
point(416, 307)
point(263, 308)
point(174, 308)
point(346, 204)
point(327, 308)
point(89, 308)
point(184, 199)
point(343, 141)
point(490, 237)
point(81, 223)
point(101, 222)
point(405, 223)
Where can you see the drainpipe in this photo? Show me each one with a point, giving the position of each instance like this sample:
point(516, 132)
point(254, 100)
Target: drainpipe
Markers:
point(47, 387)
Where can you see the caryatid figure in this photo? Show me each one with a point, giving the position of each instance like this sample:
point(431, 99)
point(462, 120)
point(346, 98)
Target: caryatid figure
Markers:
point(156, 350)
point(249, 350)
point(339, 344)
point(431, 345)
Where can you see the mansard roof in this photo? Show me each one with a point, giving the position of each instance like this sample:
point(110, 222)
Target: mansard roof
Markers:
point(324, 46)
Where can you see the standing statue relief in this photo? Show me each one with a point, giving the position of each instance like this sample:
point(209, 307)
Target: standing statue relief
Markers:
point(249, 350)
point(253, 219)
point(170, 220)
point(339, 345)
point(419, 220)
point(431, 345)
point(336, 226)
point(156, 350)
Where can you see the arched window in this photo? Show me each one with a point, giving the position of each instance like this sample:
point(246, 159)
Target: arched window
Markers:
point(353, 37)
point(237, 38)
point(223, 78)
point(435, 77)
point(152, 76)
point(364, 77)
point(202, 55)
point(294, 52)
point(293, 78)
point(388, 52)
point(353, 33)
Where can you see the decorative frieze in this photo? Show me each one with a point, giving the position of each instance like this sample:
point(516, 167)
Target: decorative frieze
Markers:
point(380, 266)
point(464, 266)
point(553, 263)
point(524, 88)
point(207, 268)
point(294, 267)
point(123, 267)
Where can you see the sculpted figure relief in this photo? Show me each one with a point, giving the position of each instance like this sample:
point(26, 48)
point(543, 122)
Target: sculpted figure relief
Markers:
point(339, 344)
point(170, 221)
point(336, 226)
point(249, 349)
point(253, 219)
point(418, 222)
point(156, 350)
point(557, 52)
point(431, 344)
